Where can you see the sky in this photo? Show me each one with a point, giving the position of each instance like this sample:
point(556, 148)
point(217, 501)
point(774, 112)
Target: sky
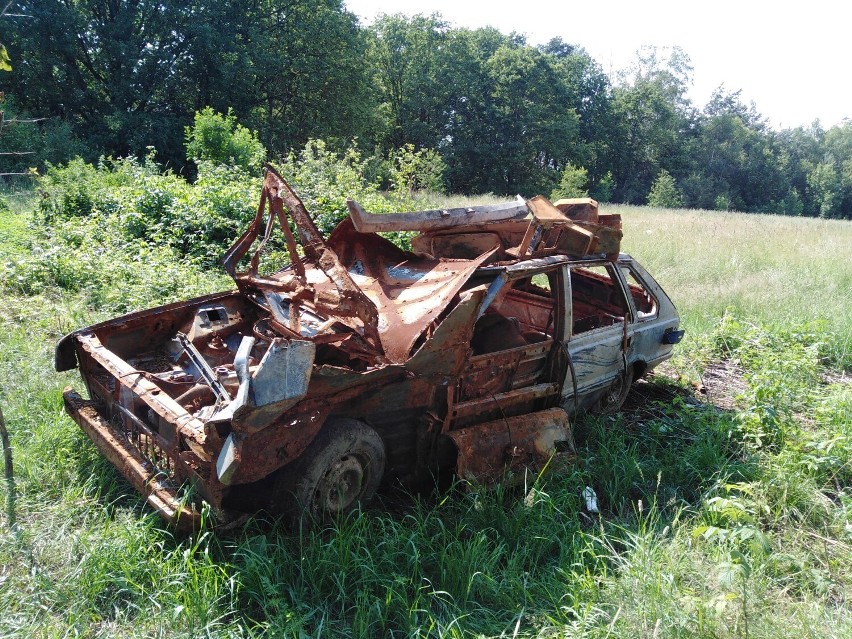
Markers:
point(792, 59)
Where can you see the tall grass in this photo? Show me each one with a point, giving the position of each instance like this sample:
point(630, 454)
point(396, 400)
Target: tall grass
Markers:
point(714, 522)
point(775, 269)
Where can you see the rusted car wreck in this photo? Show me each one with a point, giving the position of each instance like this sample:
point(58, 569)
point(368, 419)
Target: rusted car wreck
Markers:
point(359, 362)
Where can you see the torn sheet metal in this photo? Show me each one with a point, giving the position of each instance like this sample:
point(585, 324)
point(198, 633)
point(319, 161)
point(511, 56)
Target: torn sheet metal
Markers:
point(342, 298)
point(574, 228)
point(488, 451)
point(410, 293)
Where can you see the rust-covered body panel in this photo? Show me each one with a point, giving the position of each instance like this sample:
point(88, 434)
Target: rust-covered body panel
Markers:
point(457, 354)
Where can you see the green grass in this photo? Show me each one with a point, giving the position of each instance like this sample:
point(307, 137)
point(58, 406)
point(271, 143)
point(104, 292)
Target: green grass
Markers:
point(774, 269)
point(714, 523)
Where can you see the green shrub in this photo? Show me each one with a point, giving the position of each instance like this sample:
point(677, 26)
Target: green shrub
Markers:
point(664, 192)
point(421, 170)
point(722, 202)
point(572, 183)
point(325, 179)
point(68, 191)
point(603, 190)
point(791, 204)
point(221, 139)
point(126, 233)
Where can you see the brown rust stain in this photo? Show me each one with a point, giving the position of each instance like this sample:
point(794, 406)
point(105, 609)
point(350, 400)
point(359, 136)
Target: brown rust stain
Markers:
point(486, 452)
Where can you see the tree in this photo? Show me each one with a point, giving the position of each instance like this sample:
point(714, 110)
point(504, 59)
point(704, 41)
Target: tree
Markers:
point(572, 183)
point(127, 75)
point(534, 125)
point(510, 126)
point(837, 147)
point(469, 122)
point(221, 139)
point(111, 69)
point(587, 89)
point(407, 57)
point(824, 188)
point(603, 190)
point(735, 159)
point(308, 72)
point(664, 192)
point(655, 120)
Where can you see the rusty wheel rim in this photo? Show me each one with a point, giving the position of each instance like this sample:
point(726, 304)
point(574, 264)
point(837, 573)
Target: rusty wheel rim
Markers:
point(342, 485)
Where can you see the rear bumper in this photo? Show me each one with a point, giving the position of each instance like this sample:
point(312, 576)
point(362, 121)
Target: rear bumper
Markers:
point(130, 463)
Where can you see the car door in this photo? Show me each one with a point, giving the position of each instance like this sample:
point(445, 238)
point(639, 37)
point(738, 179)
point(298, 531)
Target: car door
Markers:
point(653, 316)
point(597, 331)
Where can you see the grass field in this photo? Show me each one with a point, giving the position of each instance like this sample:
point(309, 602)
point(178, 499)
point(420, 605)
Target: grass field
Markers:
point(775, 269)
point(716, 521)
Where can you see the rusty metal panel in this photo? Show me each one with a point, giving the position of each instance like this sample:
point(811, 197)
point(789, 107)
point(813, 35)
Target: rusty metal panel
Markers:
point(248, 458)
point(410, 293)
point(342, 299)
point(446, 353)
point(489, 374)
point(583, 209)
point(434, 220)
point(464, 245)
point(507, 402)
point(159, 493)
point(486, 452)
point(138, 383)
point(607, 238)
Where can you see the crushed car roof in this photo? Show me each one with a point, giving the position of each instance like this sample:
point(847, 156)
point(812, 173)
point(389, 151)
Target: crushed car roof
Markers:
point(358, 287)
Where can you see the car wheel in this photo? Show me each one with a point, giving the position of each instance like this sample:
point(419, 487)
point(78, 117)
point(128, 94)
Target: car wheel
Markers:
point(613, 398)
point(340, 469)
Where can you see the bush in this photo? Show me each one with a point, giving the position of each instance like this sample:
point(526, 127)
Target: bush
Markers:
point(410, 170)
point(604, 189)
point(791, 204)
point(68, 191)
point(220, 139)
point(98, 219)
point(664, 192)
point(573, 183)
point(325, 179)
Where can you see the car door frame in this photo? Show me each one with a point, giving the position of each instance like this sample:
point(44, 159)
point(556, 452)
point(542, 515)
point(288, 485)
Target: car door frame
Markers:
point(590, 351)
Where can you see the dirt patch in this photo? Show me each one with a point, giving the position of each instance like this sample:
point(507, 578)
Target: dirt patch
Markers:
point(651, 391)
point(836, 377)
point(718, 386)
point(721, 383)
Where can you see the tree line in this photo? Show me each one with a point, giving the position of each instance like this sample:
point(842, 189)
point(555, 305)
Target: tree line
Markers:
point(118, 77)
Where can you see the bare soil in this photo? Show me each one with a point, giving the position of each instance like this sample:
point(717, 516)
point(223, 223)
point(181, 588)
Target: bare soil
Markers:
point(718, 387)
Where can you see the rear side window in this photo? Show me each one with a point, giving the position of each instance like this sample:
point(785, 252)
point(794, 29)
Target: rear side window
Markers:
point(596, 298)
point(645, 303)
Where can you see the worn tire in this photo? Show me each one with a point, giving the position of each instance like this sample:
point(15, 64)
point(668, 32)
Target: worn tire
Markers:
point(340, 469)
point(613, 398)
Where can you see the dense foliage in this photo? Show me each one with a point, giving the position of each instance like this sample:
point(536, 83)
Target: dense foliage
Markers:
point(115, 78)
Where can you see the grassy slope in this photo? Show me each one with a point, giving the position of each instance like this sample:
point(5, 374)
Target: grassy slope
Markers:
point(706, 531)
